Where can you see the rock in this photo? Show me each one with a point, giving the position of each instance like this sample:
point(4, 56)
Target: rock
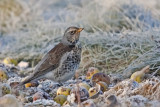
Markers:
point(31, 91)
point(38, 95)
point(48, 85)
point(71, 98)
point(14, 81)
point(29, 99)
point(111, 101)
point(9, 101)
point(88, 103)
point(42, 103)
point(23, 64)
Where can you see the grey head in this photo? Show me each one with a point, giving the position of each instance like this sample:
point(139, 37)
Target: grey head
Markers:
point(71, 36)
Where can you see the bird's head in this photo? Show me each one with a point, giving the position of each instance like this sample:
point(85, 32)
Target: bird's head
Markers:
point(71, 35)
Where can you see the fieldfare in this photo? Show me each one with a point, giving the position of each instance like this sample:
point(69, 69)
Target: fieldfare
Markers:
point(61, 62)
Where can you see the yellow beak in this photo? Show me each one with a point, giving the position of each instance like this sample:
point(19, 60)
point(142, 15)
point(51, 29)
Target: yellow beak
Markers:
point(79, 30)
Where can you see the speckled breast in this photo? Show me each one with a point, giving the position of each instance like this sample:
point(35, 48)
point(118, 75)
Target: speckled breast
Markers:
point(67, 70)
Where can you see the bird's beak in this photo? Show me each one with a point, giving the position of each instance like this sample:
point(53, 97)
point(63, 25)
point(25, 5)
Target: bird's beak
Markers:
point(79, 30)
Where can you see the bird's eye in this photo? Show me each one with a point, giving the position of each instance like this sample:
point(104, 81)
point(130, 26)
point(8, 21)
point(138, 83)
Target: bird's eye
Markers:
point(72, 32)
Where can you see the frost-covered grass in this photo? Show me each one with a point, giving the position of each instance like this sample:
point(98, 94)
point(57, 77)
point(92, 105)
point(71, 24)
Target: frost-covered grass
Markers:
point(118, 35)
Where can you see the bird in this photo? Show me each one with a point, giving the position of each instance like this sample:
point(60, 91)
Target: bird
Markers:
point(61, 62)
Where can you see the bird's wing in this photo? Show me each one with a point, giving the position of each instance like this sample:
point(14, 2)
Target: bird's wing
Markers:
point(49, 62)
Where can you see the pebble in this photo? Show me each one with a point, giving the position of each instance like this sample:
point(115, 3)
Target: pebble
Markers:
point(9, 101)
point(23, 64)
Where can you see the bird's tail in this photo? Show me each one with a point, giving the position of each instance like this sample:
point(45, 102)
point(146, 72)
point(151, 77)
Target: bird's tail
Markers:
point(31, 78)
point(28, 79)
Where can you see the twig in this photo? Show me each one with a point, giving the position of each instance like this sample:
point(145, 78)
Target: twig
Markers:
point(77, 91)
point(155, 72)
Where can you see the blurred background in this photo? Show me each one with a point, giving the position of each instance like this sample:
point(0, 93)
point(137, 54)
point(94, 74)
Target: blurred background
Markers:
point(119, 35)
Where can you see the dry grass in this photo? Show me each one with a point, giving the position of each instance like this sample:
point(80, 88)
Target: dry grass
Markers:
point(12, 15)
point(115, 52)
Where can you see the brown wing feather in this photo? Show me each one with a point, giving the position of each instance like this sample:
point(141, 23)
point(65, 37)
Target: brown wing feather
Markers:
point(49, 62)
